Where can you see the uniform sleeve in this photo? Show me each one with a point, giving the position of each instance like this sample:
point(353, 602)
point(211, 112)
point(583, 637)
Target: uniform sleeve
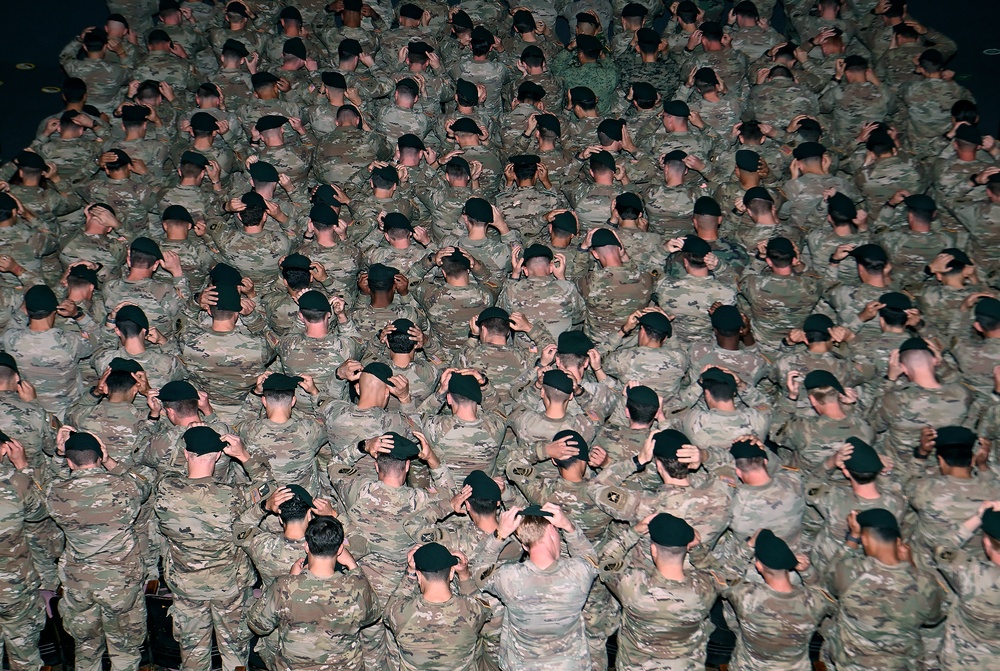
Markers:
point(263, 615)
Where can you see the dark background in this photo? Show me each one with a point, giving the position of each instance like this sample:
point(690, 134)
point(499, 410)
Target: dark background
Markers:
point(36, 31)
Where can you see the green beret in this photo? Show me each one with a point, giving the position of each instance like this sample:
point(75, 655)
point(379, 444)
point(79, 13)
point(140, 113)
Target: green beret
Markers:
point(280, 382)
point(773, 552)
point(203, 122)
point(270, 122)
point(565, 221)
point(817, 323)
point(433, 557)
point(864, 458)
point(822, 378)
point(695, 246)
point(203, 440)
point(177, 213)
point(576, 440)
point(314, 300)
point(178, 390)
point(669, 531)
point(558, 379)
point(574, 342)
point(465, 386)
point(914, 344)
point(484, 488)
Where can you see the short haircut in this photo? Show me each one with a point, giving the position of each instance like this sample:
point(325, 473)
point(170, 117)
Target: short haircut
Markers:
point(751, 463)
point(532, 529)
point(324, 536)
point(120, 382)
point(293, 510)
point(390, 465)
point(497, 326)
point(673, 467)
point(640, 412)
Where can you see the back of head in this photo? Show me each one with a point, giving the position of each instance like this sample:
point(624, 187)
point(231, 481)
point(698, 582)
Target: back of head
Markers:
point(324, 536)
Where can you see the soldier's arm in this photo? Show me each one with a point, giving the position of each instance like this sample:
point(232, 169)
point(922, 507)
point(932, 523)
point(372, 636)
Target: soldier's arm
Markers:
point(528, 480)
point(579, 546)
point(263, 615)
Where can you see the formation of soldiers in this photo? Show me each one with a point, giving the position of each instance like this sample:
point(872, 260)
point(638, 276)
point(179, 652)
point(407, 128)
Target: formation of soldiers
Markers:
point(416, 337)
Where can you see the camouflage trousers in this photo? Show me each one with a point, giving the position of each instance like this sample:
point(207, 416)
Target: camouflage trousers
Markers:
point(45, 543)
point(20, 625)
point(194, 622)
point(111, 616)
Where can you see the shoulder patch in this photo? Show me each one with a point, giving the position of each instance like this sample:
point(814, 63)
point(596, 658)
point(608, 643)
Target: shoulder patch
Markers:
point(729, 480)
point(785, 149)
point(487, 573)
point(272, 339)
point(614, 496)
point(522, 471)
point(347, 470)
point(613, 566)
point(243, 536)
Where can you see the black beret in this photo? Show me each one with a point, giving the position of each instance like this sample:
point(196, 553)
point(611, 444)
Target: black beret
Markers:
point(677, 108)
point(987, 307)
point(869, 252)
point(745, 449)
point(666, 443)
point(549, 122)
point(727, 318)
point(290, 13)
point(808, 150)
point(629, 199)
point(126, 365)
point(270, 122)
point(334, 80)
point(484, 488)
point(879, 518)
point(581, 95)
point(969, 133)
point(177, 213)
point(30, 159)
point(228, 298)
point(253, 199)
point(236, 46)
point(479, 209)
point(482, 34)
point(84, 273)
point(817, 322)
point(259, 79)
point(676, 155)
point(410, 11)
point(146, 246)
point(757, 193)
point(280, 382)
point(991, 523)
point(314, 300)
point(669, 531)
point(433, 557)
point(780, 245)
point(467, 90)
point(634, 9)
point(955, 436)
point(707, 205)
point(714, 374)
point(588, 43)
point(323, 214)
point(466, 125)
point(657, 321)
point(896, 300)
point(840, 204)
point(695, 246)
point(82, 441)
point(403, 448)
point(300, 493)
point(350, 47)
point(612, 128)
point(466, 386)
point(194, 158)
point(577, 441)
point(223, 273)
point(178, 390)
point(864, 458)
point(558, 379)
point(410, 141)
point(642, 395)
point(574, 342)
point(7, 361)
point(822, 378)
point(387, 173)
point(379, 370)
point(920, 202)
point(773, 552)
point(911, 344)
point(396, 221)
point(132, 313)
point(747, 160)
point(534, 510)
point(537, 251)
point(381, 273)
point(604, 237)
point(566, 222)
point(296, 261)
point(295, 47)
point(202, 440)
point(604, 158)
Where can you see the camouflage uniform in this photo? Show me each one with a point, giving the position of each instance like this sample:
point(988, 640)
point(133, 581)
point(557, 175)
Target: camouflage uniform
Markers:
point(102, 569)
point(210, 577)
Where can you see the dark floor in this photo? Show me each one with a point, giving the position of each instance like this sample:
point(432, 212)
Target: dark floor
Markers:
point(35, 31)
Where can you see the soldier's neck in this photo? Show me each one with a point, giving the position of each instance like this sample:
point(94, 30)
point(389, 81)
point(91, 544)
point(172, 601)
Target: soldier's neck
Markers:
point(134, 346)
point(868, 491)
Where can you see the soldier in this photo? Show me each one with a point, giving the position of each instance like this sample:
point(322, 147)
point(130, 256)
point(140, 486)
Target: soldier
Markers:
point(973, 579)
point(690, 296)
point(775, 620)
point(652, 361)
point(545, 588)
point(883, 599)
point(315, 598)
point(162, 299)
point(291, 442)
point(48, 354)
point(588, 65)
point(615, 286)
point(226, 357)
point(21, 504)
point(543, 295)
point(437, 629)
point(210, 577)
point(98, 507)
point(318, 349)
